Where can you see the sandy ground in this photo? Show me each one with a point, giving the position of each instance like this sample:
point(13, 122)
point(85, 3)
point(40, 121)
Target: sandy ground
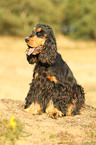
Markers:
point(43, 130)
point(15, 76)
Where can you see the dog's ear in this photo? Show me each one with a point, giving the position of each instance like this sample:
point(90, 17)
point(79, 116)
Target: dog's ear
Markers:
point(49, 51)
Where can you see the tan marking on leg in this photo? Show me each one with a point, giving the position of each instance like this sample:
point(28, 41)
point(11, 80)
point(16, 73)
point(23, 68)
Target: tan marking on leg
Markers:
point(71, 107)
point(52, 111)
point(52, 79)
point(34, 108)
point(35, 76)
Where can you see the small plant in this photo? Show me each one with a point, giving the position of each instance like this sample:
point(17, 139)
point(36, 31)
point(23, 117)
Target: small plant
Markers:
point(52, 135)
point(10, 131)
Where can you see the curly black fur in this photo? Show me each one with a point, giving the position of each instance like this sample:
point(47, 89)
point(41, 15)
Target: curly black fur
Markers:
point(42, 90)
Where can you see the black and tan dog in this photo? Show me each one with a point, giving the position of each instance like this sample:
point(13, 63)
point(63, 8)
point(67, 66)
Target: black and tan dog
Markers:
point(53, 90)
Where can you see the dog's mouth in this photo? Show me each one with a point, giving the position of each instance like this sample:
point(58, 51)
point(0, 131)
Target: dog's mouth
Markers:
point(35, 44)
point(34, 50)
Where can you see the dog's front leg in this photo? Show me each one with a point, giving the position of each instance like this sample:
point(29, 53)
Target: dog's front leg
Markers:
point(32, 104)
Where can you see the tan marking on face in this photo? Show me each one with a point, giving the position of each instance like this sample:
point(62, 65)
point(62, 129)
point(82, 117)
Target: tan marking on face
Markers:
point(34, 28)
point(35, 76)
point(52, 78)
point(27, 37)
point(51, 110)
point(34, 108)
point(35, 41)
point(71, 107)
point(39, 29)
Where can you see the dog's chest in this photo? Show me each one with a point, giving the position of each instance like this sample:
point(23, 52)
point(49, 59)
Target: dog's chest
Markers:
point(42, 70)
point(44, 73)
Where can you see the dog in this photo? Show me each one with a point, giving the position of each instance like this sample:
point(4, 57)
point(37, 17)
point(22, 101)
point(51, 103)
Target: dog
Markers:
point(54, 89)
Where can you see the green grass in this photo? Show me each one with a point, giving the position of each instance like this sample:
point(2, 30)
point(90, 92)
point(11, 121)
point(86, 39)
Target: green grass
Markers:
point(10, 131)
point(52, 135)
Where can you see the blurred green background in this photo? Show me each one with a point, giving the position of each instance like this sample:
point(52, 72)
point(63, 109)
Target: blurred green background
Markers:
point(75, 18)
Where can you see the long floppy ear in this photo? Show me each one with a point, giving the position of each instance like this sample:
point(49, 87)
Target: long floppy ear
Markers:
point(49, 51)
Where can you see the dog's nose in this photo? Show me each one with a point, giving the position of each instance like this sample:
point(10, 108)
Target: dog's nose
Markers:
point(27, 39)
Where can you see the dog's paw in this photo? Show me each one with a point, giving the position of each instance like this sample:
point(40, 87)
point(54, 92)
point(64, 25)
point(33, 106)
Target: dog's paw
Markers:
point(56, 115)
point(52, 111)
point(34, 108)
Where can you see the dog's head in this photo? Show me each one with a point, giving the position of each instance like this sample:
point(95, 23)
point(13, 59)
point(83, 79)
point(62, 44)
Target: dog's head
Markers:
point(42, 44)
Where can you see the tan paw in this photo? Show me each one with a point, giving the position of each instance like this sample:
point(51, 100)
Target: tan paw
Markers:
point(52, 111)
point(34, 108)
point(56, 115)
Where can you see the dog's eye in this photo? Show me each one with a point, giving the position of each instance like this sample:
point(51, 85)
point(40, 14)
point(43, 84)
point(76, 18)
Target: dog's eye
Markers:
point(40, 34)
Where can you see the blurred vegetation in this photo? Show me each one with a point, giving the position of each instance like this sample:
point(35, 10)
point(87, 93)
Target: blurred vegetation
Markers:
point(11, 131)
point(75, 18)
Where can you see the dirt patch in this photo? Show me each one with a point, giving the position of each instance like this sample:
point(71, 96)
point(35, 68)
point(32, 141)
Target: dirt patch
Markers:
point(44, 130)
